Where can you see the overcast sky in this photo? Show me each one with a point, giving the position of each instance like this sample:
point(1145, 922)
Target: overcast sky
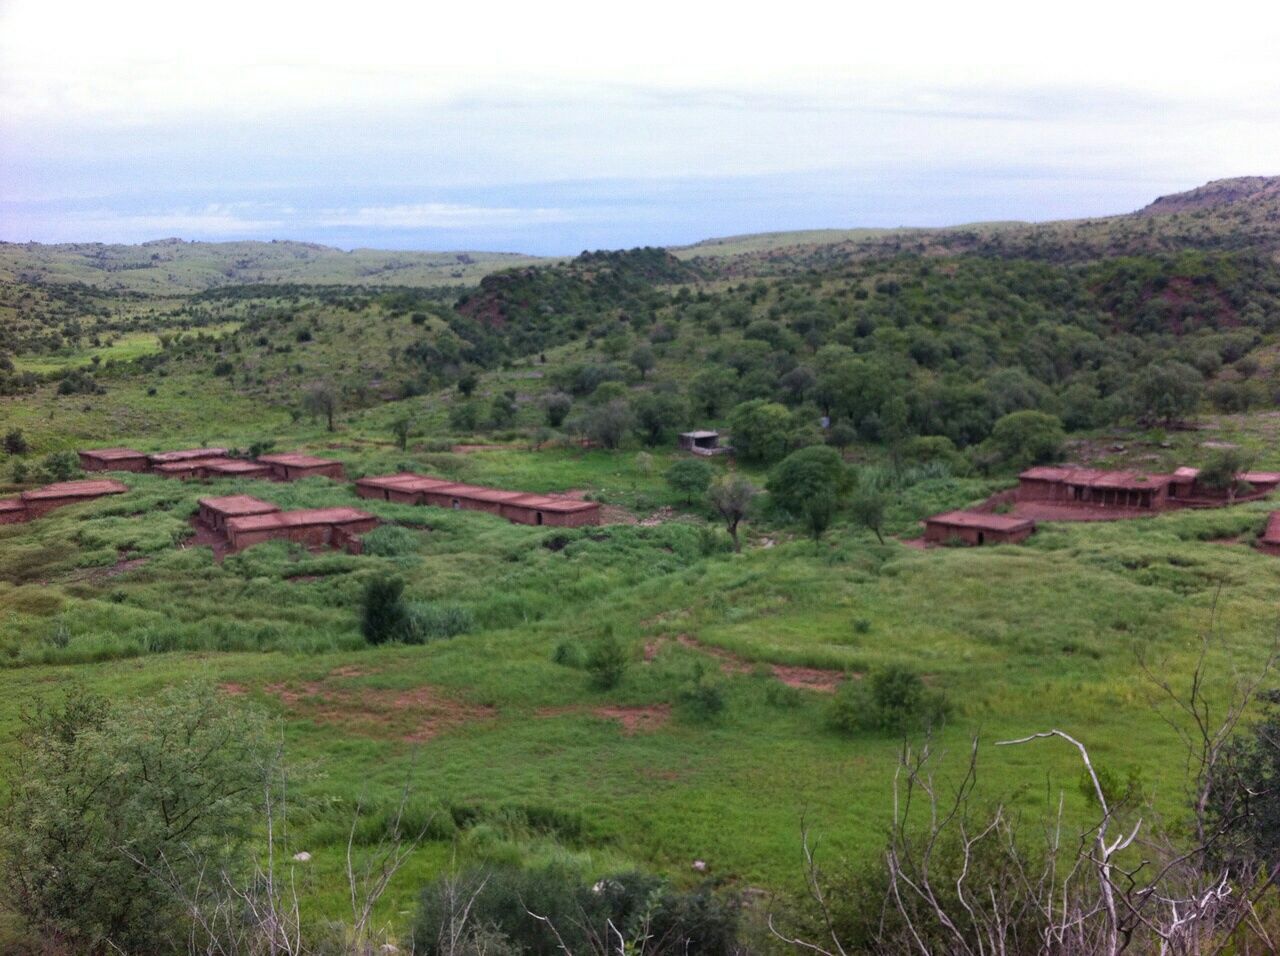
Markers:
point(553, 127)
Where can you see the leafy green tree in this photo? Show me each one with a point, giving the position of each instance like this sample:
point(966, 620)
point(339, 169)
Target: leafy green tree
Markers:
point(642, 358)
point(105, 795)
point(656, 413)
point(608, 424)
point(400, 429)
point(689, 477)
point(868, 509)
point(321, 401)
point(1028, 438)
point(1221, 472)
point(383, 613)
point(557, 406)
point(502, 410)
point(731, 495)
point(712, 389)
point(805, 474)
point(607, 662)
point(819, 512)
point(15, 443)
point(467, 383)
point(761, 430)
point(1166, 392)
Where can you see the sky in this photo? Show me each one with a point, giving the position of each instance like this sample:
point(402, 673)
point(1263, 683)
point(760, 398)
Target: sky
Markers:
point(554, 127)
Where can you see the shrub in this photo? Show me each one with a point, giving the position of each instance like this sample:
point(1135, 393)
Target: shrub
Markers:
point(569, 654)
point(689, 478)
point(430, 622)
point(389, 541)
point(607, 662)
point(383, 611)
point(893, 699)
point(1028, 438)
point(60, 466)
point(802, 476)
point(702, 699)
point(15, 443)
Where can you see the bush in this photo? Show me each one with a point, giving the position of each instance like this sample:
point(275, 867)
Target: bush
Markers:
point(702, 699)
point(689, 478)
point(430, 622)
point(893, 699)
point(569, 654)
point(60, 466)
point(607, 662)
point(15, 443)
point(390, 541)
point(384, 616)
point(1028, 438)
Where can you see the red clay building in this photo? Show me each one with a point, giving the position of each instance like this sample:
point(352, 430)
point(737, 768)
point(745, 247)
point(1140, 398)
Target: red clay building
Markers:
point(314, 527)
point(1094, 488)
point(40, 501)
point(975, 528)
point(216, 512)
point(113, 459)
point(186, 454)
point(518, 506)
point(291, 467)
point(189, 468)
point(12, 511)
point(234, 468)
point(1269, 540)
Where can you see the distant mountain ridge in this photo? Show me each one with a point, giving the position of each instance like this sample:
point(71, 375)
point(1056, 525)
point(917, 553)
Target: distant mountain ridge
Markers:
point(1217, 193)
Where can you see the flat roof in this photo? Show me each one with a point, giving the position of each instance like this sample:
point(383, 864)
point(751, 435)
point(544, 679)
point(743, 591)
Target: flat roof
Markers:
point(186, 454)
point(1097, 478)
point(1185, 472)
point(12, 504)
point(232, 464)
point(1272, 533)
point(407, 481)
point(298, 519)
point(186, 464)
point(981, 521)
point(238, 505)
point(1260, 477)
point(90, 488)
point(700, 434)
point(297, 460)
point(113, 454)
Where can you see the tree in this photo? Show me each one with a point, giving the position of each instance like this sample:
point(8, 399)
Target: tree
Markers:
point(1028, 438)
point(608, 424)
point(383, 614)
point(805, 474)
point(321, 401)
point(1221, 472)
point(607, 662)
point(712, 389)
point(15, 443)
point(656, 413)
point(643, 359)
point(761, 430)
point(467, 383)
point(557, 406)
point(731, 495)
point(1167, 392)
point(819, 511)
point(503, 410)
point(400, 428)
point(689, 477)
point(103, 794)
point(868, 508)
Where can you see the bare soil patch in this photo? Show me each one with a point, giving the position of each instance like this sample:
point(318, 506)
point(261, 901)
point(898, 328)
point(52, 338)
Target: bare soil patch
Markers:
point(415, 715)
point(472, 449)
point(635, 720)
point(123, 565)
point(804, 678)
point(206, 537)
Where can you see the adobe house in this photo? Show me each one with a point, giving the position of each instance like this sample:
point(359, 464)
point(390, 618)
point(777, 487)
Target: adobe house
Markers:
point(234, 468)
point(976, 529)
point(1187, 489)
point(405, 488)
point(112, 459)
point(215, 512)
point(312, 527)
point(189, 468)
point(518, 506)
point(1269, 541)
point(40, 501)
point(703, 443)
point(186, 454)
point(291, 467)
point(12, 511)
point(1094, 488)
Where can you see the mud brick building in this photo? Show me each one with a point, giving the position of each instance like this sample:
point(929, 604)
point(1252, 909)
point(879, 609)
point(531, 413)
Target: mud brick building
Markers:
point(976, 528)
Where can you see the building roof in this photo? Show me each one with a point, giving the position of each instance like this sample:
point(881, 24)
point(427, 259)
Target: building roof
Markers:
point(982, 521)
point(700, 434)
point(91, 488)
point(298, 519)
point(1097, 478)
point(12, 504)
point(292, 460)
point(186, 454)
point(1186, 474)
point(406, 481)
point(1260, 477)
point(238, 505)
point(189, 464)
point(1272, 533)
point(232, 465)
point(113, 454)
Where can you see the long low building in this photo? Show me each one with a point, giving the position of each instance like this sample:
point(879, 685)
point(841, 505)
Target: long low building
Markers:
point(216, 512)
point(291, 467)
point(40, 501)
point(113, 459)
point(185, 454)
point(977, 528)
point(1269, 540)
point(312, 527)
point(13, 511)
point(519, 506)
point(1094, 487)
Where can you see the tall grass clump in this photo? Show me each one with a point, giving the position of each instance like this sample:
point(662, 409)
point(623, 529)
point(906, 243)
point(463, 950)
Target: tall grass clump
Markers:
point(430, 622)
point(390, 541)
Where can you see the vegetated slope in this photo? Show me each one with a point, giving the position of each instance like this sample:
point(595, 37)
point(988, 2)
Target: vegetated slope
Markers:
point(174, 265)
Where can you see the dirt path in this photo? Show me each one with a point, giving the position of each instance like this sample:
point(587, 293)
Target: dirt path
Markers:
point(804, 678)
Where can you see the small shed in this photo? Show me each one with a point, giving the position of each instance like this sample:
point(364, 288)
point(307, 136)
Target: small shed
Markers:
point(405, 488)
point(313, 527)
point(1269, 541)
point(112, 459)
point(703, 443)
point(13, 511)
point(189, 468)
point(215, 512)
point(977, 528)
point(291, 467)
point(235, 468)
point(1263, 482)
point(40, 501)
point(186, 454)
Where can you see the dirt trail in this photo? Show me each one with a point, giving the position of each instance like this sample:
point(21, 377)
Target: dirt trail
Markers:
point(804, 678)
